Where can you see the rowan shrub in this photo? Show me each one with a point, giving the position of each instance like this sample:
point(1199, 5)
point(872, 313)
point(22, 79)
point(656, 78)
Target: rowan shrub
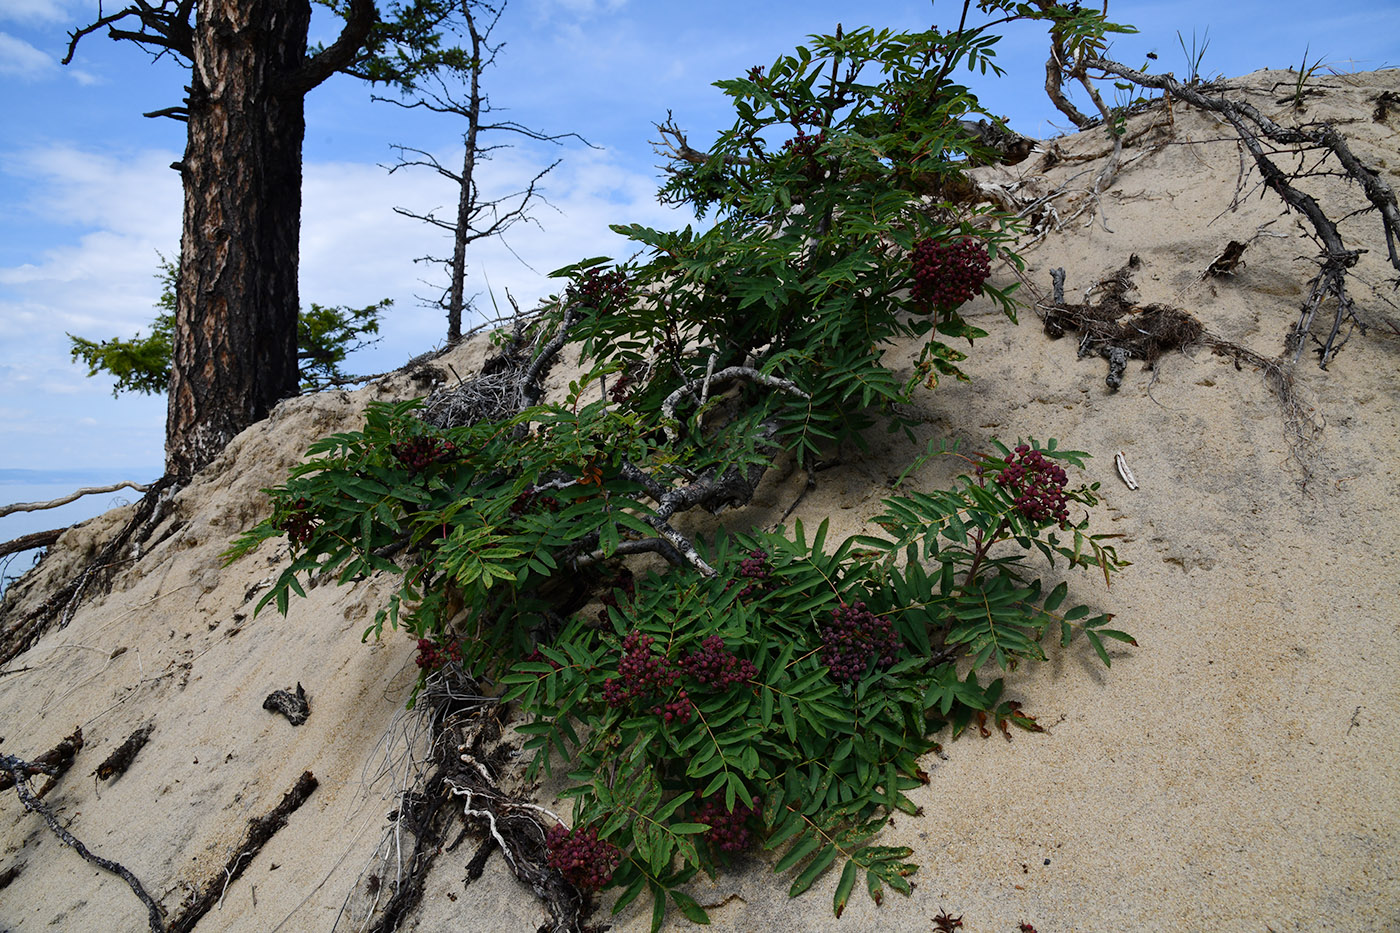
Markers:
point(769, 689)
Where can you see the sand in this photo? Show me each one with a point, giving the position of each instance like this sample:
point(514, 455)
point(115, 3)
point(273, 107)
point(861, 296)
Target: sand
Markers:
point(1237, 771)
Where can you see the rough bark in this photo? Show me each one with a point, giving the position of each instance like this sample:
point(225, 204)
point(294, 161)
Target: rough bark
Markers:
point(235, 353)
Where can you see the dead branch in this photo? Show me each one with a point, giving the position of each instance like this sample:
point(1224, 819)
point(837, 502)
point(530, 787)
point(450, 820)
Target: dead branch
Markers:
point(18, 635)
point(1337, 258)
point(710, 380)
point(53, 762)
point(260, 830)
point(30, 541)
point(115, 764)
point(18, 771)
point(1119, 330)
point(72, 496)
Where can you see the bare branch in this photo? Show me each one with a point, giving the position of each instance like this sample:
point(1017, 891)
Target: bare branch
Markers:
point(31, 541)
point(64, 500)
point(19, 770)
point(339, 54)
point(166, 27)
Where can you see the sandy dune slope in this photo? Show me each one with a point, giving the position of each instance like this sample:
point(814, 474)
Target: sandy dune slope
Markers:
point(1238, 771)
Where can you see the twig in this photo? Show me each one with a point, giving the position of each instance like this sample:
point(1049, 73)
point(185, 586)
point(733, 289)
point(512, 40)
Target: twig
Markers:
point(709, 380)
point(17, 770)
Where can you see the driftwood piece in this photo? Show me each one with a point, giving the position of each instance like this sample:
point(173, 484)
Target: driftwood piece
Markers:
point(115, 764)
point(30, 541)
point(71, 497)
point(260, 830)
point(19, 771)
point(293, 706)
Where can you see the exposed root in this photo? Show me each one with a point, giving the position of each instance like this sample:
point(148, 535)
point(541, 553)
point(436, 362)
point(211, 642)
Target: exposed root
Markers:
point(457, 786)
point(19, 771)
point(1118, 330)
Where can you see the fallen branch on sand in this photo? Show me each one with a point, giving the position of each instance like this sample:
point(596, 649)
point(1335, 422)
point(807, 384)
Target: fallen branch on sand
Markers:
point(19, 771)
point(260, 830)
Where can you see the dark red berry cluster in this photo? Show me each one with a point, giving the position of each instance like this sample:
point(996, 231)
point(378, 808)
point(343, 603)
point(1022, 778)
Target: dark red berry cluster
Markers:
point(597, 289)
point(419, 453)
point(949, 273)
point(756, 74)
point(432, 655)
point(622, 387)
point(641, 673)
point(584, 860)
point(714, 666)
point(729, 829)
point(758, 572)
point(854, 636)
point(1037, 485)
point(533, 500)
point(676, 710)
point(803, 145)
point(300, 522)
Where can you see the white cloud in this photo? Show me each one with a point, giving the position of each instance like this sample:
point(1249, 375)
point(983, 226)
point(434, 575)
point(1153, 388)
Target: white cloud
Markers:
point(19, 59)
point(34, 10)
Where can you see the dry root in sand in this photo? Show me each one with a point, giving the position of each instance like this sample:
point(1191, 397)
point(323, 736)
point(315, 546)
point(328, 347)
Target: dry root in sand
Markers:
point(1263, 138)
point(1119, 330)
point(453, 791)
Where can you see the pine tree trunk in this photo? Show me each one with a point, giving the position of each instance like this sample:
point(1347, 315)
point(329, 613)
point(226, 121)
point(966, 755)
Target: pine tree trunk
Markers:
point(235, 352)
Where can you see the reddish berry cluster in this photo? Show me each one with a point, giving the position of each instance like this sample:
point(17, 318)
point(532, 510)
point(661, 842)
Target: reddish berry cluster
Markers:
point(854, 636)
point(713, 666)
point(677, 710)
point(758, 572)
point(432, 656)
point(584, 860)
point(597, 289)
point(419, 453)
point(641, 672)
point(1037, 484)
point(621, 387)
point(803, 145)
point(949, 273)
point(729, 829)
point(533, 500)
point(300, 522)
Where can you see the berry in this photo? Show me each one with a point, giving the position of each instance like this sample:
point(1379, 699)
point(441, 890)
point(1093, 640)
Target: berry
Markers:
point(419, 453)
point(949, 273)
point(1037, 486)
point(532, 500)
point(729, 829)
point(756, 569)
point(853, 638)
point(640, 672)
point(584, 860)
point(432, 655)
point(300, 522)
point(713, 666)
point(597, 289)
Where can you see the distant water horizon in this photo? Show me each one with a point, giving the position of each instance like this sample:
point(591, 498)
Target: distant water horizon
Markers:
point(29, 485)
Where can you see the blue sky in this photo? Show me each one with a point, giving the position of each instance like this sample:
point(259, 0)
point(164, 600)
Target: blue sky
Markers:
point(87, 198)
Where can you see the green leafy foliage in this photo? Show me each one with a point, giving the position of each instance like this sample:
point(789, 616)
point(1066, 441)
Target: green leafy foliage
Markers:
point(772, 689)
point(827, 759)
point(325, 337)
